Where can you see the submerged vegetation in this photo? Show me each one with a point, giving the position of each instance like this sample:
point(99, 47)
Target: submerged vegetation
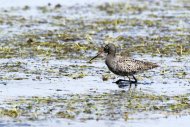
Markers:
point(98, 106)
point(56, 43)
point(65, 36)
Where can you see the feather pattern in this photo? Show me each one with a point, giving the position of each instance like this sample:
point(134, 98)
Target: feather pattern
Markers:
point(125, 66)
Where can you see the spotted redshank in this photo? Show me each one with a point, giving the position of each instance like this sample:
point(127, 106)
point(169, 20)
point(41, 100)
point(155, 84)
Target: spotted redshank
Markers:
point(123, 66)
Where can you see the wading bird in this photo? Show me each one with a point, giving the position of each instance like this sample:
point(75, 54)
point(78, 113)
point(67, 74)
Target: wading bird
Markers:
point(124, 66)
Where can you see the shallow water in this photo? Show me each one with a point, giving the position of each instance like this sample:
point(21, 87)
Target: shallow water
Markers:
point(46, 80)
point(172, 121)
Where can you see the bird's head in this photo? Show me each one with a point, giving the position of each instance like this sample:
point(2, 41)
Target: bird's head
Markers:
point(109, 49)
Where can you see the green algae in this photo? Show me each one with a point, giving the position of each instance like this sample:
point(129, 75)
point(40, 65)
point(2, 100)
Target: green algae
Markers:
point(155, 46)
point(97, 106)
point(114, 22)
point(121, 7)
point(65, 115)
point(81, 36)
point(78, 75)
point(54, 34)
point(9, 112)
point(107, 76)
point(78, 38)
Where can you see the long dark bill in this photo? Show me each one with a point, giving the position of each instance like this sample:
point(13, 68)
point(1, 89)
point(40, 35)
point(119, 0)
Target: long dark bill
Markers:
point(99, 53)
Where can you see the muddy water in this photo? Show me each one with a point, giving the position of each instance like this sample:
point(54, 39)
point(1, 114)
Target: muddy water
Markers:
point(47, 81)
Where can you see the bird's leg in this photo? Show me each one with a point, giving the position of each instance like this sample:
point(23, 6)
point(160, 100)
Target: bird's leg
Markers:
point(134, 79)
point(130, 84)
point(129, 78)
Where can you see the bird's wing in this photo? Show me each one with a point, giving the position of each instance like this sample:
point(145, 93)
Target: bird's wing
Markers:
point(126, 64)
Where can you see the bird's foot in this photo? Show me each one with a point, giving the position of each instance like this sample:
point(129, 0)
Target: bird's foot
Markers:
point(121, 81)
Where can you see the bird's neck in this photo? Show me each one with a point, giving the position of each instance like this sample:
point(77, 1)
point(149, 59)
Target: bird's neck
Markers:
point(110, 61)
point(112, 53)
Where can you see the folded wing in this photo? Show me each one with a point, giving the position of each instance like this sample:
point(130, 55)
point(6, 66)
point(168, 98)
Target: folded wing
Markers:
point(127, 65)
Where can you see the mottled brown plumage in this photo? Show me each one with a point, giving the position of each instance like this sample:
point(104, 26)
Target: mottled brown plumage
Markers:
point(124, 66)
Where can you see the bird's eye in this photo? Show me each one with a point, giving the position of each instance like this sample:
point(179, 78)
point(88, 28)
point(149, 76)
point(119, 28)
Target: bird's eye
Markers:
point(106, 48)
